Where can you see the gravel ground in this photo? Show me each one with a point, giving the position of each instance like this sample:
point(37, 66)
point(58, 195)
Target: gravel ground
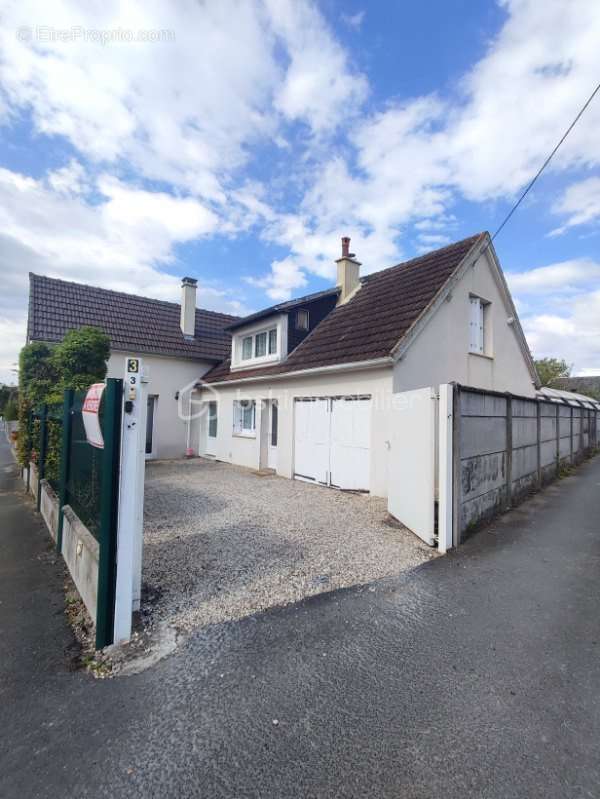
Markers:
point(222, 542)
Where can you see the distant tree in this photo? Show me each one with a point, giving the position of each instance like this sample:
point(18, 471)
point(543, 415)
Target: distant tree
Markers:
point(7, 394)
point(550, 368)
point(11, 410)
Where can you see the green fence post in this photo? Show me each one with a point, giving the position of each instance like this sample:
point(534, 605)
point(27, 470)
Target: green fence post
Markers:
point(42, 452)
point(27, 447)
point(109, 500)
point(65, 454)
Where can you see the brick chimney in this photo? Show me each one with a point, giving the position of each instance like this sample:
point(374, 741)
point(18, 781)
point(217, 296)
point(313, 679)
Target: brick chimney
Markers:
point(188, 306)
point(348, 272)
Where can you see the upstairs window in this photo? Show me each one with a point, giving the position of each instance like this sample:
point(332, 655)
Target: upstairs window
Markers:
point(301, 320)
point(261, 344)
point(478, 311)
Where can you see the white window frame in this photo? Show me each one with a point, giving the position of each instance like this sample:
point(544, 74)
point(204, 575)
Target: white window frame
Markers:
point(275, 330)
point(478, 317)
point(240, 420)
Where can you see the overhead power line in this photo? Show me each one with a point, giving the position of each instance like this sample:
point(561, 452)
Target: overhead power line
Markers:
point(547, 161)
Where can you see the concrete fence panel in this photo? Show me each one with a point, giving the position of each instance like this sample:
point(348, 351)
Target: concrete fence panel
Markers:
point(510, 446)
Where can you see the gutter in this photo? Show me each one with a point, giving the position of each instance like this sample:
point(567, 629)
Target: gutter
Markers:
point(353, 366)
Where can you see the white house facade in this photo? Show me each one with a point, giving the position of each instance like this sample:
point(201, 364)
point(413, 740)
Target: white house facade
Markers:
point(323, 410)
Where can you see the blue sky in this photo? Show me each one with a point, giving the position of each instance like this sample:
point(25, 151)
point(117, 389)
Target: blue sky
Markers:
point(237, 141)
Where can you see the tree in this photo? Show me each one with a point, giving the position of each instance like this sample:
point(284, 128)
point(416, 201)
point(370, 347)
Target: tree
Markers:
point(80, 359)
point(46, 371)
point(37, 375)
point(549, 369)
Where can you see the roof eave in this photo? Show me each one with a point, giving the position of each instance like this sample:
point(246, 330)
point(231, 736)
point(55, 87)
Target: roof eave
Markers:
point(351, 366)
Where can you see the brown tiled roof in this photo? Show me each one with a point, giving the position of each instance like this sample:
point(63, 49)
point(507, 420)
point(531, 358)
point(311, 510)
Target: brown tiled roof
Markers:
point(372, 323)
point(134, 324)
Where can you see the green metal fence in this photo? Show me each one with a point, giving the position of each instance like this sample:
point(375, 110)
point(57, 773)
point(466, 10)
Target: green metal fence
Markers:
point(44, 432)
point(86, 478)
point(84, 481)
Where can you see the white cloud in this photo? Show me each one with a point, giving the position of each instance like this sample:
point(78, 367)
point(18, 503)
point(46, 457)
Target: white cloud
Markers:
point(411, 161)
point(284, 278)
point(183, 111)
point(319, 87)
point(353, 20)
point(561, 311)
point(118, 243)
point(69, 179)
point(573, 335)
point(580, 203)
point(12, 338)
point(566, 277)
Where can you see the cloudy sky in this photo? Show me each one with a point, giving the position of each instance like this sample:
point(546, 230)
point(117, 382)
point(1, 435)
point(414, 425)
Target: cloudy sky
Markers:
point(237, 141)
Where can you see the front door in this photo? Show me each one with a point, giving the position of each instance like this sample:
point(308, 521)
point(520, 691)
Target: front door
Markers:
point(273, 434)
point(211, 429)
point(150, 443)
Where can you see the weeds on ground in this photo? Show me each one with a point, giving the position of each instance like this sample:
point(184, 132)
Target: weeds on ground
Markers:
point(80, 622)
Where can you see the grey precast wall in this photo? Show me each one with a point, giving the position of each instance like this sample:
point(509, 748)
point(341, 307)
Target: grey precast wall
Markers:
point(509, 446)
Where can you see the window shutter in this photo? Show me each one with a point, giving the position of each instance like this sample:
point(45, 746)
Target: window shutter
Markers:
point(480, 326)
point(474, 324)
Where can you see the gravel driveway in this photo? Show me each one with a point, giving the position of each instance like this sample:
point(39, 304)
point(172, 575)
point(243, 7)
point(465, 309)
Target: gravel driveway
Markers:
point(222, 542)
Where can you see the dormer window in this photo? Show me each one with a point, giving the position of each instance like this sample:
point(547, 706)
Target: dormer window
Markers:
point(301, 320)
point(258, 347)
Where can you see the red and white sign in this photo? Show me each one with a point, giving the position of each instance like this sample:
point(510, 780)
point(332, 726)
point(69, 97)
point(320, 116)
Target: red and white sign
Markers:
point(90, 413)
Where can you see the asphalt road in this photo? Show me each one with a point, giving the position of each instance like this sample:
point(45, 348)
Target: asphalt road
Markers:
point(477, 675)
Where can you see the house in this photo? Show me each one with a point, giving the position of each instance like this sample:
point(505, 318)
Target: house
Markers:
point(178, 344)
point(310, 384)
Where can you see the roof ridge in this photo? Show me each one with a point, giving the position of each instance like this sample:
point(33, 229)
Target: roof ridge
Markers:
point(427, 254)
point(127, 294)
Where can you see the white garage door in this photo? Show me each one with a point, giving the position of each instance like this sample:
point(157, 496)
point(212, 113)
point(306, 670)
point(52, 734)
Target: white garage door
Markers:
point(333, 440)
point(311, 439)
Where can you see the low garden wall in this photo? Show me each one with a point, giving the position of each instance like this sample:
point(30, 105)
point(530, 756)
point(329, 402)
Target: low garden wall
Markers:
point(80, 549)
point(49, 507)
point(34, 481)
point(81, 553)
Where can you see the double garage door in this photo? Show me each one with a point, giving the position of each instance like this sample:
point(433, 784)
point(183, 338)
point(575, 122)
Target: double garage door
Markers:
point(332, 441)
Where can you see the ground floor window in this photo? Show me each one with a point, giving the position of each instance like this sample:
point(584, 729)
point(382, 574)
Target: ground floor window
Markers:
point(212, 419)
point(244, 417)
point(151, 405)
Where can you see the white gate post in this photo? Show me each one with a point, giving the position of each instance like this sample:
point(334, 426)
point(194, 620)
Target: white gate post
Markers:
point(445, 464)
point(131, 500)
